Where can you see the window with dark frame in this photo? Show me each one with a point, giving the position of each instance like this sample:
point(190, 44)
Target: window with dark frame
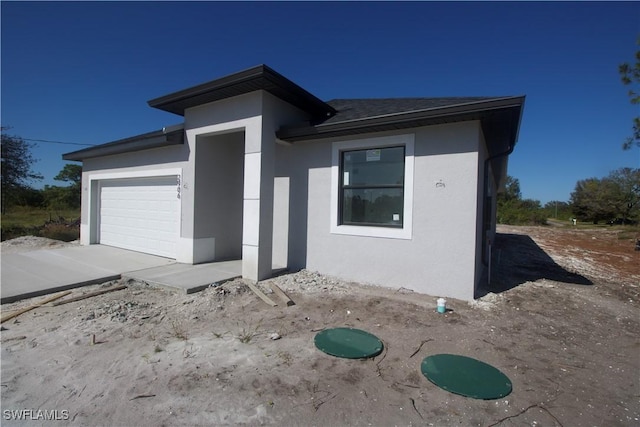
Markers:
point(372, 187)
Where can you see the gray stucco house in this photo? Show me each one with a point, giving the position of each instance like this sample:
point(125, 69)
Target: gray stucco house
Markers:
point(395, 192)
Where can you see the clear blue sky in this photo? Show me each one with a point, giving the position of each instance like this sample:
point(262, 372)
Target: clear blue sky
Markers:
point(83, 71)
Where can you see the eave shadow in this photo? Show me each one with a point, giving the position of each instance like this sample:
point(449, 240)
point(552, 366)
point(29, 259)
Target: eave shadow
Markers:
point(517, 259)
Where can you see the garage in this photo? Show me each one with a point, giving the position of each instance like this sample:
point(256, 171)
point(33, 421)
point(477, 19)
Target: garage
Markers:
point(140, 214)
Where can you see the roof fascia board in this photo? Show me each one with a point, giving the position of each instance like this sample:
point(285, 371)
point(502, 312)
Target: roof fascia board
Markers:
point(239, 83)
point(416, 118)
point(517, 133)
point(146, 141)
point(298, 93)
point(221, 83)
point(463, 107)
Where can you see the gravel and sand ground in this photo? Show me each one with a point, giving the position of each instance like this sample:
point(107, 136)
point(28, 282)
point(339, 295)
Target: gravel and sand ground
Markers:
point(561, 321)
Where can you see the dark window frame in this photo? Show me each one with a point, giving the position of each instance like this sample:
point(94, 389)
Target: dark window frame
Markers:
point(342, 187)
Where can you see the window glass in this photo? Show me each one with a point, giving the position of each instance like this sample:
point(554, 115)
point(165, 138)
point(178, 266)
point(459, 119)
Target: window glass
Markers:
point(372, 187)
point(380, 166)
point(381, 206)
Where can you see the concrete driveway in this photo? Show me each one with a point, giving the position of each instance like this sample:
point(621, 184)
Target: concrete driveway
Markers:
point(40, 272)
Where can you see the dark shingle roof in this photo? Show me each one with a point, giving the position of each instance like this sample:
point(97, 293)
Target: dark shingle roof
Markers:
point(357, 116)
point(363, 108)
point(499, 118)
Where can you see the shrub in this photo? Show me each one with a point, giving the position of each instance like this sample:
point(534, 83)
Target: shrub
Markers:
point(521, 212)
point(64, 232)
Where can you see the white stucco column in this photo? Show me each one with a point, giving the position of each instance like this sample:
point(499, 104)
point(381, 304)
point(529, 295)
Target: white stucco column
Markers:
point(258, 203)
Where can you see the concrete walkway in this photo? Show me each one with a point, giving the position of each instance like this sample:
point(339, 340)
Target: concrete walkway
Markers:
point(188, 278)
point(41, 272)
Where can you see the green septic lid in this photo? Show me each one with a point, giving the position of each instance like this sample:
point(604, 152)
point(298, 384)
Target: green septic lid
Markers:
point(348, 343)
point(466, 376)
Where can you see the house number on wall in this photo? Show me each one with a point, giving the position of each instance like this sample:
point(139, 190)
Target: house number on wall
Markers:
point(178, 188)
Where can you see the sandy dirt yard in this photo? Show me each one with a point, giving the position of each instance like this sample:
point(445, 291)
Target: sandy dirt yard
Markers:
point(562, 321)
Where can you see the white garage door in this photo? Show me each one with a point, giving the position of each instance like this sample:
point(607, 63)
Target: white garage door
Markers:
point(140, 214)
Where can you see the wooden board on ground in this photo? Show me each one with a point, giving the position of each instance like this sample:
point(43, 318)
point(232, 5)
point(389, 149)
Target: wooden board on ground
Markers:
point(31, 307)
point(262, 296)
point(90, 294)
point(280, 293)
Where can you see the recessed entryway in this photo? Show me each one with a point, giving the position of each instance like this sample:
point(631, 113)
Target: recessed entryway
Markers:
point(218, 197)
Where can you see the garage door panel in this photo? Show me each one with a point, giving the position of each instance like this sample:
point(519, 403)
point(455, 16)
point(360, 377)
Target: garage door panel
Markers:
point(140, 215)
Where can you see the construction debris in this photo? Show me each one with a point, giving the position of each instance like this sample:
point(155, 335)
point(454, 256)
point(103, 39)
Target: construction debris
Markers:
point(262, 296)
point(20, 337)
point(142, 396)
point(280, 293)
point(31, 307)
point(90, 294)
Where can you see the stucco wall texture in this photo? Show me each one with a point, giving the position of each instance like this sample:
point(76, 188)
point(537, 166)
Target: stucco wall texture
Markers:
point(440, 256)
point(246, 194)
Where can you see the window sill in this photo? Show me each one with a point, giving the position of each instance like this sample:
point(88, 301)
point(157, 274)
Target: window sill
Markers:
point(368, 231)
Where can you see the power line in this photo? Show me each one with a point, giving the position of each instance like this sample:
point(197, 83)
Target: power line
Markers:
point(57, 142)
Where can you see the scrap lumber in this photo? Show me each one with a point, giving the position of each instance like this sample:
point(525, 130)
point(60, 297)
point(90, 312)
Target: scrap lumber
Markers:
point(90, 294)
point(262, 296)
point(20, 337)
point(280, 293)
point(31, 307)
point(142, 396)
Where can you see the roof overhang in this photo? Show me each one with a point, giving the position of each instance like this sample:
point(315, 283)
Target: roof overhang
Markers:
point(260, 77)
point(173, 135)
point(501, 134)
point(500, 117)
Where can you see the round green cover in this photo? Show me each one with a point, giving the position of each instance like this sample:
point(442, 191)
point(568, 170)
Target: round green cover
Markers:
point(466, 376)
point(348, 343)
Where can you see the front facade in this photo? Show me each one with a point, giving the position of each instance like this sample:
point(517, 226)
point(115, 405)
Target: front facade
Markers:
point(395, 192)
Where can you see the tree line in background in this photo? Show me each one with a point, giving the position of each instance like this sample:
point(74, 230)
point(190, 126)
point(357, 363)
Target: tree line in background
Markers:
point(17, 177)
point(614, 199)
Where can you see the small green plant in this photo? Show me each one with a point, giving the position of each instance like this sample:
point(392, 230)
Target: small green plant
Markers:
point(157, 349)
point(178, 330)
point(245, 336)
point(247, 333)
